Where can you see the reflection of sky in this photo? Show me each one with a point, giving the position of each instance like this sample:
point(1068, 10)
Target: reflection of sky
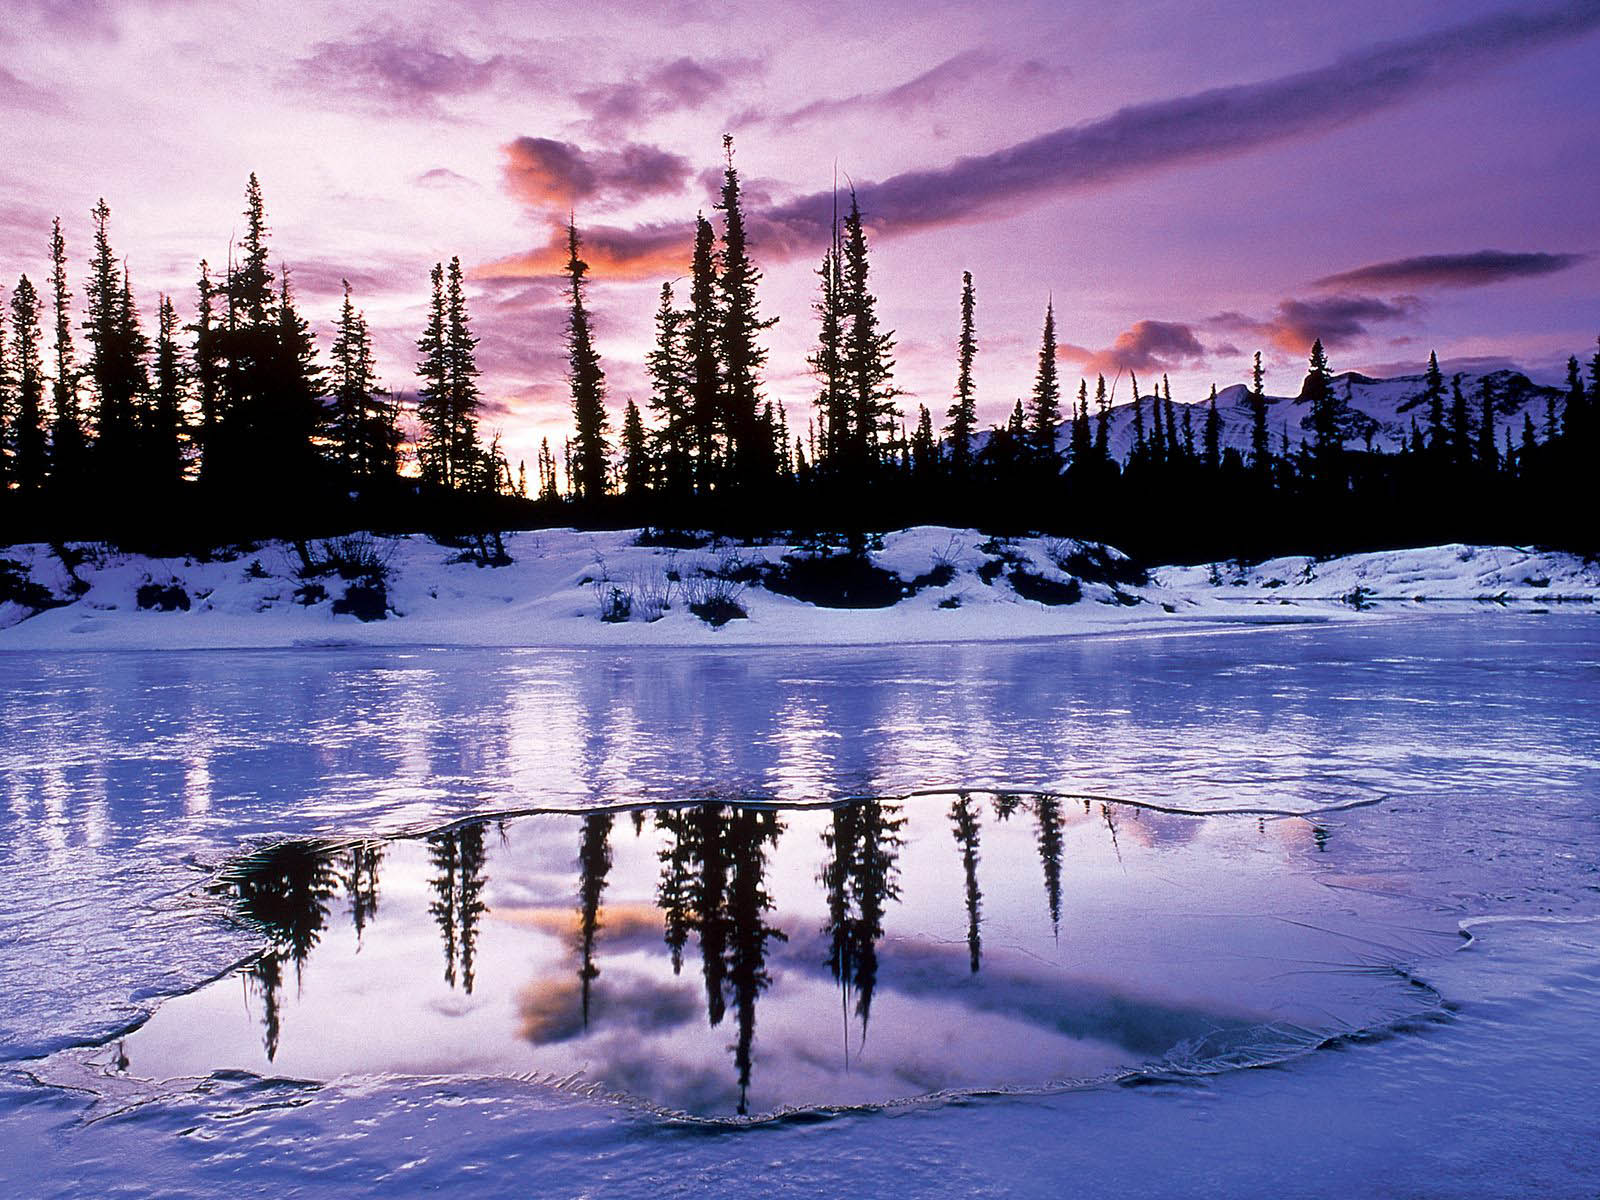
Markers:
point(1167, 939)
point(1177, 229)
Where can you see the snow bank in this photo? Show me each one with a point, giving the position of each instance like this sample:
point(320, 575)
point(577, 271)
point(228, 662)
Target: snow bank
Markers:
point(935, 584)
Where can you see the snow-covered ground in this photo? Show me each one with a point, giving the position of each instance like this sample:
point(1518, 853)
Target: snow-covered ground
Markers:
point(942, 585)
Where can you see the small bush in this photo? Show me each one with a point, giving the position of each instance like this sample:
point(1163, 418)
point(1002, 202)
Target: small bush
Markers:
point(1096, 563)
point(1041, 588)
point(616, 605)
point(355, 556)
point(941, 574)
point(836, 581)
point(255, 570)
point(714, 598)
point(366, 599)
point(950, 602)
point(308, 594)
point(673, 539)
point(162, 597)
point(652, 591)
point(17, 586)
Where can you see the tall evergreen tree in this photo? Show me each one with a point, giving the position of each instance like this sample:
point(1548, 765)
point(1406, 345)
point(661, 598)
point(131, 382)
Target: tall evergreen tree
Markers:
point(1460, 425)
point(464, 395)
point(636, 464)
point(166, 433)
point(1572, 416)
point(963, 413)
point(1318, 393)
point(1046, 399)
point(868, 358)
point(363, 420)
point(827, 361)
point(741, 352)
point(67, 440)
point(590, 452)
point(436, 441)
point(1260, 445)
point(668, 369)
point(1082, 439)
point(1138, 451)
point(111, 367)
point(208, 370)
point(1433, 393)
point(1102, 420)
point(702, 351)
point(25, 366)
point(1487, 454)
point(1211, 436)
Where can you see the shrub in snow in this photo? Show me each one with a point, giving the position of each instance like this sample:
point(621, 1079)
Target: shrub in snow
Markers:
point(162, 597)
point(616, 606)
point(714, 598)
point(1041, 588)
point(18, 587)
point(366, 599)
point(836, 581)
point(356, 556)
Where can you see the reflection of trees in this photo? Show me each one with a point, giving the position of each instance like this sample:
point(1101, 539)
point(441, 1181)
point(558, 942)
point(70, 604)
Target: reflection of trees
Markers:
point(457, 858)
point(713, 884)
point(285, 892)
point(1047, 813)
point(861, 878)
point(358, 872)
point(1005, 804)
point(964, 821)
point(594, 862)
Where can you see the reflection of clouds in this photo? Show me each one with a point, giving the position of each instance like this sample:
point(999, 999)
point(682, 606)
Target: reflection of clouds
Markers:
point(623, 923)
point(551, 1010)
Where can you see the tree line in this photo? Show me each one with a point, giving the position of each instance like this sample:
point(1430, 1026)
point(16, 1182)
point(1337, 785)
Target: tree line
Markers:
point(237, 406)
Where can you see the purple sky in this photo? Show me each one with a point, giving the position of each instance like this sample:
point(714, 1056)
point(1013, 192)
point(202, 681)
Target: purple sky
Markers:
point(1190, 185)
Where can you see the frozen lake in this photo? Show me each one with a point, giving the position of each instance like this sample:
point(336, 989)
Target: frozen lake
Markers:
point(1067, 984)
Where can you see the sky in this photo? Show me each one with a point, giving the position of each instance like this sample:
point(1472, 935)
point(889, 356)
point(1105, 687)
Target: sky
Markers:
point(1186, 183)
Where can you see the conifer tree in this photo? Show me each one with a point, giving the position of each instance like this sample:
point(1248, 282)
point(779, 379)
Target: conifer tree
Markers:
point(111, 366)
point(827, 361)
point(67, 440)
point(590, 452)
point(1460, 425)
point(290, 401)
point(867, 353)
point(668, 369)
point(25, 366)
point(636, 465)
point(1046, 400)
point(208, 351)
point(1433, 392)
point(701, 352)
point(461, 364)
point(1212, 435)
point(1138, 452)
point(435, 445)
point(1082, 442)
point(741, 354)
point(364, 432)
point(5, 407)
point(924, 447)
point(963, 412)
point(1573, 414)
point(1260, 448)
point(1102, 421)
point(1487, 451)
point(1326, 443)
point(171, 384)
point(1171, 424)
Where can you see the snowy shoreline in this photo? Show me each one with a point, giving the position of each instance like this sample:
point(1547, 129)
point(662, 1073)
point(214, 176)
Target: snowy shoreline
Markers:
point(933, 585)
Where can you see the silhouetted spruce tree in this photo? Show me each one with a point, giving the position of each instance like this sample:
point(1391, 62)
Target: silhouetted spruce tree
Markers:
point(963, 412)
point(1487, 454)
point(167, 433)
point(358, 872)
point(1102, 421)
point(435, 443)
point(291, 399)
point(702, 351)
point(1211, 436)
point(636, 464)
point(740, 351)
point(6, 404)
point(1460, 425)
point(668, 368)
point(964, 821)
point(1046, 400)
point(868, 359)
point(591, 453)
point(1326, 443)
point(827, 360)
point(1260, 446)
point(1049, 822)
point(67, 444)
point(207, 370)
point(362, 428)
point(1171, 423)
point(1082, 445)
point(25, 366)
point(112, 368)
point(1433, 393)
point(594, 864)
point(462, 377)
point(1158, 441)
point(1137, 453)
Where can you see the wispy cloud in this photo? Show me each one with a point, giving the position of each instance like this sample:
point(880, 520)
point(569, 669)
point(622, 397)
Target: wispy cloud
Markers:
point(391, 70)
point(674, 86)
point(1337, 320)
point(1141, 138)
point(1474, 269)
point(1144, 346)
point(934, 85)
point(551, 175)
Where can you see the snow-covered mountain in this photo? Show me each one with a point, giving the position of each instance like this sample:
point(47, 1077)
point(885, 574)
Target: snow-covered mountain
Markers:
point(1380, 408)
